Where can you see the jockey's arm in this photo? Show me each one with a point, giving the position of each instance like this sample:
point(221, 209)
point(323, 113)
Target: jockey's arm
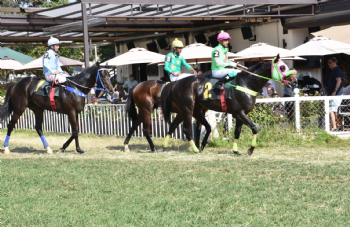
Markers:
point(47, 65)
point(219, 57)
point(167, 65)
point(188, 66)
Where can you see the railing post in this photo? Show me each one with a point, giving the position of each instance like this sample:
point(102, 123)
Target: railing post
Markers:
point(297, 109)
point(326, 114)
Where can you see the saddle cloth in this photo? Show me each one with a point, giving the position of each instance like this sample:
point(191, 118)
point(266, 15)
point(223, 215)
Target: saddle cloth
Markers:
point(164, 84)
point(39, 89)
point(214, 94)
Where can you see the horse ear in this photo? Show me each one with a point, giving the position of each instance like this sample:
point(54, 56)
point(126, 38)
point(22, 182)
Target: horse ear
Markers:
point(277, 58)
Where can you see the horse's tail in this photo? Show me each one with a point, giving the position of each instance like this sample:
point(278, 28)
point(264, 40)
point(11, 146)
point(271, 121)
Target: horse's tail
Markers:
point(166, 102)
point(6, 108)
point(130, 107)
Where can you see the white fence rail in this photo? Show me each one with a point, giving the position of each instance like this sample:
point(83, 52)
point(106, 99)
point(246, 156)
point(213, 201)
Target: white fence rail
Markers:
point(298, 112)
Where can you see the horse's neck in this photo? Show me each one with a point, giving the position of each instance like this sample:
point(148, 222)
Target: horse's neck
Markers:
point(86, 82)
point(253, 82)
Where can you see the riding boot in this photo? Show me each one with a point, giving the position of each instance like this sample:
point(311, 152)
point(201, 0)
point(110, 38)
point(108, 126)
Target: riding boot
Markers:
point(48, 89)
point(219, 84)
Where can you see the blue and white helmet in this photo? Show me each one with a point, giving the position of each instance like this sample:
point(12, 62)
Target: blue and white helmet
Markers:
point(53, 41)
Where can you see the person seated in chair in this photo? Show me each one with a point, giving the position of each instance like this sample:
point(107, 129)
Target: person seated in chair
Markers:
point(219, 61)
point(173, 62)
point(51, 67)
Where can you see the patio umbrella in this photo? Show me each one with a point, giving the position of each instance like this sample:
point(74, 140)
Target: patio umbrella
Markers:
point(320, 46)
point(37, 64)
point(264, 51)
point(338, 33)
point(135, 56)
point(196, 53)
point(9, 64)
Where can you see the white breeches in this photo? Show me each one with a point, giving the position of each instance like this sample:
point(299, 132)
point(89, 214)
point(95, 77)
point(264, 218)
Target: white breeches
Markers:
point(183, 75)
point(60, 77)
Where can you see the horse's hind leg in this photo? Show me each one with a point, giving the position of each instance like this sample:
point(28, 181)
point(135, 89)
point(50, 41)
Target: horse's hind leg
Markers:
point(187, 128)
point(135, 124)
point(242, 117)
point(73, 119)
point(38, 125)
point(146, 118)
point(10, 127)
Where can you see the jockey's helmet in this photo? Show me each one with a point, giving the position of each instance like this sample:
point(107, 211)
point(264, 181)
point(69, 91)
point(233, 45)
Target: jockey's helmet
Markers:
point(53, 41)
point(223, 35)
point(177, 43)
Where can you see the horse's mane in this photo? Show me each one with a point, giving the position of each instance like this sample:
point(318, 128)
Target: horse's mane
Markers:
point(257, 68)
point(86, 71)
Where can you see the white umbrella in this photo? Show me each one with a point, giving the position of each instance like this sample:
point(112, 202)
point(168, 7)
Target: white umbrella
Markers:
point(135, 56)
point(264, 51)
point(9, 64)
point(338, 33)
point(320, 46)
point(196, 53)
point(37, 64)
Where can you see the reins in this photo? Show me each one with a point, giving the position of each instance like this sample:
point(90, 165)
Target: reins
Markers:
point(97, 77)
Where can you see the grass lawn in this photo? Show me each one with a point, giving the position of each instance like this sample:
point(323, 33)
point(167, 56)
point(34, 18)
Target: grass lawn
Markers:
point(305, 183)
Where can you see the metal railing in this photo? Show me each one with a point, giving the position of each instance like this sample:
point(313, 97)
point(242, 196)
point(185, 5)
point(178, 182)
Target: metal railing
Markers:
point(110, 119)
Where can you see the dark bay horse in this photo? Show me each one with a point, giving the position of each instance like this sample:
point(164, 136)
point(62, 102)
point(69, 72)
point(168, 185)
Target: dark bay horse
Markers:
point(188, 92)
point(20, 96)
point(145, 97)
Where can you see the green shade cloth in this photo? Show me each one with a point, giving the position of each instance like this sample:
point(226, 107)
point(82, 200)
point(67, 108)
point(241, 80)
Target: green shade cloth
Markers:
point(4, 51)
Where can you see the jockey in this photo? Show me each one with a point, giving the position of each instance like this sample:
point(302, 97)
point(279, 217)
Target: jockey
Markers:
point(51, 67)
point(220, 61)
point(173, 62)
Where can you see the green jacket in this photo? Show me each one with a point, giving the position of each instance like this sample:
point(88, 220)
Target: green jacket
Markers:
point(219, 58)
point(173, 63)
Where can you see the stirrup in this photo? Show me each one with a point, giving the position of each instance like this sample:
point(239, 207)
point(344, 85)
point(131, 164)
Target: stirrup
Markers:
point(48, 89)
point(219, 87)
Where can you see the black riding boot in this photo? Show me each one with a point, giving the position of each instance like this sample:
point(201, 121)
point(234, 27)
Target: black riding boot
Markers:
point(48, 89)
point(219, 84)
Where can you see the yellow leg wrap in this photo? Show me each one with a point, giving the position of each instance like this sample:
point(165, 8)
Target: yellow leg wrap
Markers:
point(193, 146)
point(254, 140)
point(166, 140)
point(235, 147)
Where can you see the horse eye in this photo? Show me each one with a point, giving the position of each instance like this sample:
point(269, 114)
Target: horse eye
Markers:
point(282, 68)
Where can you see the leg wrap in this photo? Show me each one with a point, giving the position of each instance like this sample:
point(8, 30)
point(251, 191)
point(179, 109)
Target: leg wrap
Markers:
point(235, 147)
point(193, 146)
point(254, 141)
point(6, 143)
point(44, 141)
point(166, 140)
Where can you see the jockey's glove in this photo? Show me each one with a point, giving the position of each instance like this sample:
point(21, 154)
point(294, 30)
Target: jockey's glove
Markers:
point(233, 64)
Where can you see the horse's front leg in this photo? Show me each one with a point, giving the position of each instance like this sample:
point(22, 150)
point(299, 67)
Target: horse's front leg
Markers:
point(73, 119)
point(242, 117)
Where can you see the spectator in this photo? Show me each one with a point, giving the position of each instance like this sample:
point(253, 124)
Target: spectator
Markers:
point(130, 83)
point(269, 83)
point(335, 88)
point(99, 93)
point(346, 90)
point(270, 92)
point(290, 90)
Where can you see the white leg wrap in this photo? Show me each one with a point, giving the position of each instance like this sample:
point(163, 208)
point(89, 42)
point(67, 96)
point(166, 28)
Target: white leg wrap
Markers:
point(7, 150)
point(126, 148)
point(49, 150)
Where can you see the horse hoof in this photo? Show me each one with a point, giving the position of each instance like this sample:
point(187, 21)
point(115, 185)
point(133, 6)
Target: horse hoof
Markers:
point(49, 150)
point(80, 151)
point(7, 150)
point(127, 150)
point(153, 150)
point(250, 151)
point(236, 153)
point(165, 149)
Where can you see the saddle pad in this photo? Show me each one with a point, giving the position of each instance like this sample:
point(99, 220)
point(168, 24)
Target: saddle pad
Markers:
point(214, 94)
point(164, 84)
point(39, 89)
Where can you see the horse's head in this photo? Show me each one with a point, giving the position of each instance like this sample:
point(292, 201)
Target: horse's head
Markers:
point(103, 80)
point(280, 72)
